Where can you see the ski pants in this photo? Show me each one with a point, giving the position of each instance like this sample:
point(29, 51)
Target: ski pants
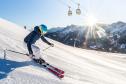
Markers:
point(36, 50)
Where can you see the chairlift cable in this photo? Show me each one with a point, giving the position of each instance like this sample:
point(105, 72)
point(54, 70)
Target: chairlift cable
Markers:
point(63, 3)
point(75, 2)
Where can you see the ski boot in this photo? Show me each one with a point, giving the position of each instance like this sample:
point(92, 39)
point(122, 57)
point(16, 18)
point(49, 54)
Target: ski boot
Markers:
point(40, 60)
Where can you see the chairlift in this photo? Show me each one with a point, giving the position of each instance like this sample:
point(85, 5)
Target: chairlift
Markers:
point(69, 11)
point(78, 11)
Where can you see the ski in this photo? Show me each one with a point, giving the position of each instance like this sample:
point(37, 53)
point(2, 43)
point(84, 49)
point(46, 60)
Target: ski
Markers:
point(58, 72)
point(57, 69)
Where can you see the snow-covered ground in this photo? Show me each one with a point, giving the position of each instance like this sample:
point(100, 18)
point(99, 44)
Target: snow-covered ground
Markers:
point(81, 66)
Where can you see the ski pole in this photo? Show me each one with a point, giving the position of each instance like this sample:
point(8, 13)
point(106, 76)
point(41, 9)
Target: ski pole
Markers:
point(16, 52)
point(46, 48)
point(4, 54)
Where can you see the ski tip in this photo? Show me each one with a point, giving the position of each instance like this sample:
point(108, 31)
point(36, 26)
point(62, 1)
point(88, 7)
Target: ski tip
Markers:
point(62, 72)
point(61, 76)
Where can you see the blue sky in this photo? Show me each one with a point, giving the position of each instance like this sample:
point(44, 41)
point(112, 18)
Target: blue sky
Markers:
point(54, 13)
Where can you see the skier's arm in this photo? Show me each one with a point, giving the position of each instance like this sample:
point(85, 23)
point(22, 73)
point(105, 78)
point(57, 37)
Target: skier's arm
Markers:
point(43, 39)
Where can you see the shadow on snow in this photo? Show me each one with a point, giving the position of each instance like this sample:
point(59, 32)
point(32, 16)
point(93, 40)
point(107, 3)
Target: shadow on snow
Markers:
point(6, 66)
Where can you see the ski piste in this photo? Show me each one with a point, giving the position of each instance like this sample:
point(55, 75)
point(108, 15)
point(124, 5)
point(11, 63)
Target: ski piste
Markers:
point(56, 71)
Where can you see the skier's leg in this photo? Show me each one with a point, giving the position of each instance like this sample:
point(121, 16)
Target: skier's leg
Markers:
point(36, 51)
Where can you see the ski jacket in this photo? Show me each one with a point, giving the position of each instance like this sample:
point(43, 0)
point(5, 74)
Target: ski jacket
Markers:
point(33, 37)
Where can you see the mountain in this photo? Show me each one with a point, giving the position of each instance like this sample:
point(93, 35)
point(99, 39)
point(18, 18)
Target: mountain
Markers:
point(118, 27)
point(74, 35)
point(118, 30)
point(68, 35)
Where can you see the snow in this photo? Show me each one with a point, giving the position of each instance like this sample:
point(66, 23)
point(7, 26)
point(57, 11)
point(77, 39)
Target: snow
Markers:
point(81, 66)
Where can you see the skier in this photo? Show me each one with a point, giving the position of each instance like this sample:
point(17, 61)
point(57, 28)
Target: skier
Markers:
point(30, 39)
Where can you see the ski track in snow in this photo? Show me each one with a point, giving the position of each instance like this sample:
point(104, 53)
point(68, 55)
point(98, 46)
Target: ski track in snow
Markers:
point(81, 66)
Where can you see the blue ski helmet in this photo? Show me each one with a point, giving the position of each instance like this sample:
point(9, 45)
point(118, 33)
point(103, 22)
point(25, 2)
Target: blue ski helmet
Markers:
point(43, 28)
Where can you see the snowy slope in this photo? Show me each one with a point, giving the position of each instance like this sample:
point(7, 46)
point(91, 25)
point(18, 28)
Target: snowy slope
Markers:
point(80, 66)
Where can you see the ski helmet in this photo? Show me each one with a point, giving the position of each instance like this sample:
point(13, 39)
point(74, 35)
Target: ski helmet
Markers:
point(43, 28)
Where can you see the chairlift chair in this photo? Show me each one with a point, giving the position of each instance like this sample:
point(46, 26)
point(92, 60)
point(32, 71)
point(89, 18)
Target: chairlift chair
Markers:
point(78, 11)
point(69, 11)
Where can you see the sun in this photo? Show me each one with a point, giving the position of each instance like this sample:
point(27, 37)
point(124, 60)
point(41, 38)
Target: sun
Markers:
point(91, 20)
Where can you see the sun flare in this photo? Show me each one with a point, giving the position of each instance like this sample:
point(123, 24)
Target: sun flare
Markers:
point(91, 20)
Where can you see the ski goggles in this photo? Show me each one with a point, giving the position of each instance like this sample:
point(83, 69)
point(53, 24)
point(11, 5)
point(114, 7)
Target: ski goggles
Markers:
point(42, 30)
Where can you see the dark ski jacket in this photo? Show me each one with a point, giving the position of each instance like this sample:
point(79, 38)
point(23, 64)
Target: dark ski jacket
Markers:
point(33, 37)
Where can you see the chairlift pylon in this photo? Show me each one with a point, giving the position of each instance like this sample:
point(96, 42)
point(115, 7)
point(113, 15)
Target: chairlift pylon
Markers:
point(69, 11)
